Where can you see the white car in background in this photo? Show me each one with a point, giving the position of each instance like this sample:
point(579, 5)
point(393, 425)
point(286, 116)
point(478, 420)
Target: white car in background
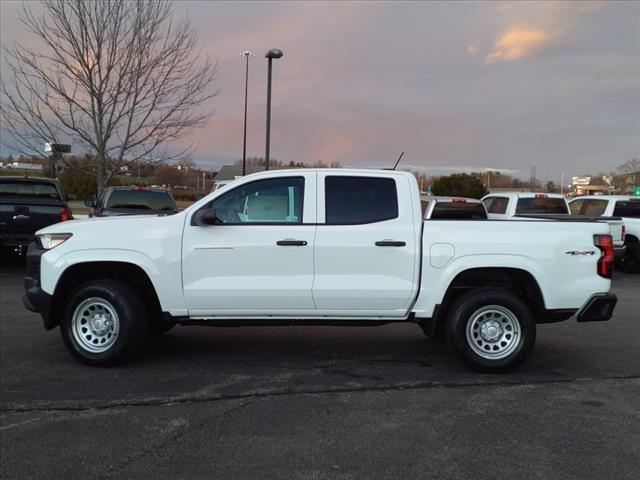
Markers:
point(515, 205)
point(548, 206)
point(617, 206)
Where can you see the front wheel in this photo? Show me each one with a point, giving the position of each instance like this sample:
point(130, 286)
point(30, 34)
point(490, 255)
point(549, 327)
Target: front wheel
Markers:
point(491, 330)
point(103, 322)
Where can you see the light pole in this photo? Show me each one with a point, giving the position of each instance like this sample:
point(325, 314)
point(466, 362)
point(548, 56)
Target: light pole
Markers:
point(271, 54)
point(247, 55)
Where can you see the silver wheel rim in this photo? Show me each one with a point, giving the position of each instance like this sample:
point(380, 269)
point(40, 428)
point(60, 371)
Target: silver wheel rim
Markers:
point(493, 332)
point(95, 325)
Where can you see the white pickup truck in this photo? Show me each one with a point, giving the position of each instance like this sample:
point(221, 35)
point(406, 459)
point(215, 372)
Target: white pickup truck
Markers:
point(618, 206)
point(327, 246)
point(531, 206)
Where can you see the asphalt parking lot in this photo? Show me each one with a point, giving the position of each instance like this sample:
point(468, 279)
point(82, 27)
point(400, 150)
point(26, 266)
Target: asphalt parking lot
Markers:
point(320, 402)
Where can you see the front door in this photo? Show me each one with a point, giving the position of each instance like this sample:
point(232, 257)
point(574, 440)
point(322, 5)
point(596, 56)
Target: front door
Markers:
point(257, 259)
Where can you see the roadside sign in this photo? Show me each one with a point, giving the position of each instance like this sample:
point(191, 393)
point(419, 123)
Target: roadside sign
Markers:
point(581, 180)
point(636, 191)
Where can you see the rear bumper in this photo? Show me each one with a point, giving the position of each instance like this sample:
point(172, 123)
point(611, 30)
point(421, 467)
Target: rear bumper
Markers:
point(34, 298)
point(598, 308)
point(16, 240)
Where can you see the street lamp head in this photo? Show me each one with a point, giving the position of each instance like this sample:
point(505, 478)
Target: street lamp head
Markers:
point(274, 53)
point(247, 53)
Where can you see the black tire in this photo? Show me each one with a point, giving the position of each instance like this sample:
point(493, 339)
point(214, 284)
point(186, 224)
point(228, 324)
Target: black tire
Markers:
point(499, 324)
point(439, 333)
point(107, 297)
point(630, 261)
point(160, 326)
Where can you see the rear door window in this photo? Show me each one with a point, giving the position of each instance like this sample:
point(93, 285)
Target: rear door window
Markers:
point(594, 208)
point(576, 207)
point(359, 200)
point(630, 208)
point(496, 205)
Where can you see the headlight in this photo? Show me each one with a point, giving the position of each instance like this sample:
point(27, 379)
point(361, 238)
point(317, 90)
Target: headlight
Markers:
point(52, 240)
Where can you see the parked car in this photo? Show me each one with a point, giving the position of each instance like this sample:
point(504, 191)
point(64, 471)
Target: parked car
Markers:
point(318, 246)
point(116, 201)
point(537, 206)
point(515, 205)
point(628, 208)
point(453, 208)
point(28, 204)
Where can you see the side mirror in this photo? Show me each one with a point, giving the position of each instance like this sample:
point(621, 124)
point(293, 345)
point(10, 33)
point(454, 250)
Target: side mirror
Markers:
point(70, 197)
point(204, 217)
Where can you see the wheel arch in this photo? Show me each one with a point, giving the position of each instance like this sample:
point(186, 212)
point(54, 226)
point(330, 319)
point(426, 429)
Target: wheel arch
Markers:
point(126, 272)
point(519, 281)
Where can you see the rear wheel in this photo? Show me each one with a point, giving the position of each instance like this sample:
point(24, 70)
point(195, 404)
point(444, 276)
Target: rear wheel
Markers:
point(491, 330)
point(630, 261)
point(103, 322)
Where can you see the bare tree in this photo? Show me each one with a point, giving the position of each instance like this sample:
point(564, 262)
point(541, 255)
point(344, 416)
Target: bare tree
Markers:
point(117, 77)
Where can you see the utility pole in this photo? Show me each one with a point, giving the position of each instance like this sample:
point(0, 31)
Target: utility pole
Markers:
point(247, 55)
point(271, 54)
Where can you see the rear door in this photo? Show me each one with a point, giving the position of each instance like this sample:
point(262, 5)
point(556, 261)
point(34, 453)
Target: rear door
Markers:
point(365, 246)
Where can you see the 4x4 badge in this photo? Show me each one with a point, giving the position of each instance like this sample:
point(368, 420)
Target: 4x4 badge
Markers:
point(586, 252)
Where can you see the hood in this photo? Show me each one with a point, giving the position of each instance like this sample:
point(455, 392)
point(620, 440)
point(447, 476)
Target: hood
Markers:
point(109, 225)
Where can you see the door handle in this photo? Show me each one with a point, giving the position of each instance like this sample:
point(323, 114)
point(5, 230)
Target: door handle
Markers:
point(291, 243)
point(390, 243)
point(21, 217)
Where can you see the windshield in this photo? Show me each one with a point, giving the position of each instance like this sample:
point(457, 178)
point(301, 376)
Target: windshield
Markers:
point(24, 189)
point(141, 200)
point(541, 205)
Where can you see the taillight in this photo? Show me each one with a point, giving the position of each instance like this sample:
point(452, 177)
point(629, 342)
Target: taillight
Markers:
point(605, 262)
point(65, 215)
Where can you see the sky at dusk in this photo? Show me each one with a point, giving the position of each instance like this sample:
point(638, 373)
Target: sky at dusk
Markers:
point(456, 85)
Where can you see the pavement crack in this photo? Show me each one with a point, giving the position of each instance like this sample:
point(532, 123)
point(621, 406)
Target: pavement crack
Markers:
point(157, 402)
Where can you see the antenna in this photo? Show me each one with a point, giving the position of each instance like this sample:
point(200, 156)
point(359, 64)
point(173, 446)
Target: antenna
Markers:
point(399, 158)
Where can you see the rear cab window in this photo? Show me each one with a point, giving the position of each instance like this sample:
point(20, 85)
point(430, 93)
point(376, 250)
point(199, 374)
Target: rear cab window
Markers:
point(42, 190)
point(541, 204)
point(351, 200)
point(461, 210)
point(627, 208)
point(141, 200)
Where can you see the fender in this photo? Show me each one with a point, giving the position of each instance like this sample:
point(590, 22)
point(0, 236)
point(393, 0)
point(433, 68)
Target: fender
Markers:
point(166, 278)
point(432, 294)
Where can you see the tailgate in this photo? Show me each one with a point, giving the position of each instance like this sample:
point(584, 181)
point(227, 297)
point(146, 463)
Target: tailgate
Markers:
point(23, 218)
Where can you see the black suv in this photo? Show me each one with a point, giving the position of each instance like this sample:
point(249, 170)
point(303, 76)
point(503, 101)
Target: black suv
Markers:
point(116, 201)
point(28, 204)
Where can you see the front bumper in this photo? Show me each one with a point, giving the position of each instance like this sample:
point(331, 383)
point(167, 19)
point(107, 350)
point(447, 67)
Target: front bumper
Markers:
point(598, 308)
point(34, 298)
